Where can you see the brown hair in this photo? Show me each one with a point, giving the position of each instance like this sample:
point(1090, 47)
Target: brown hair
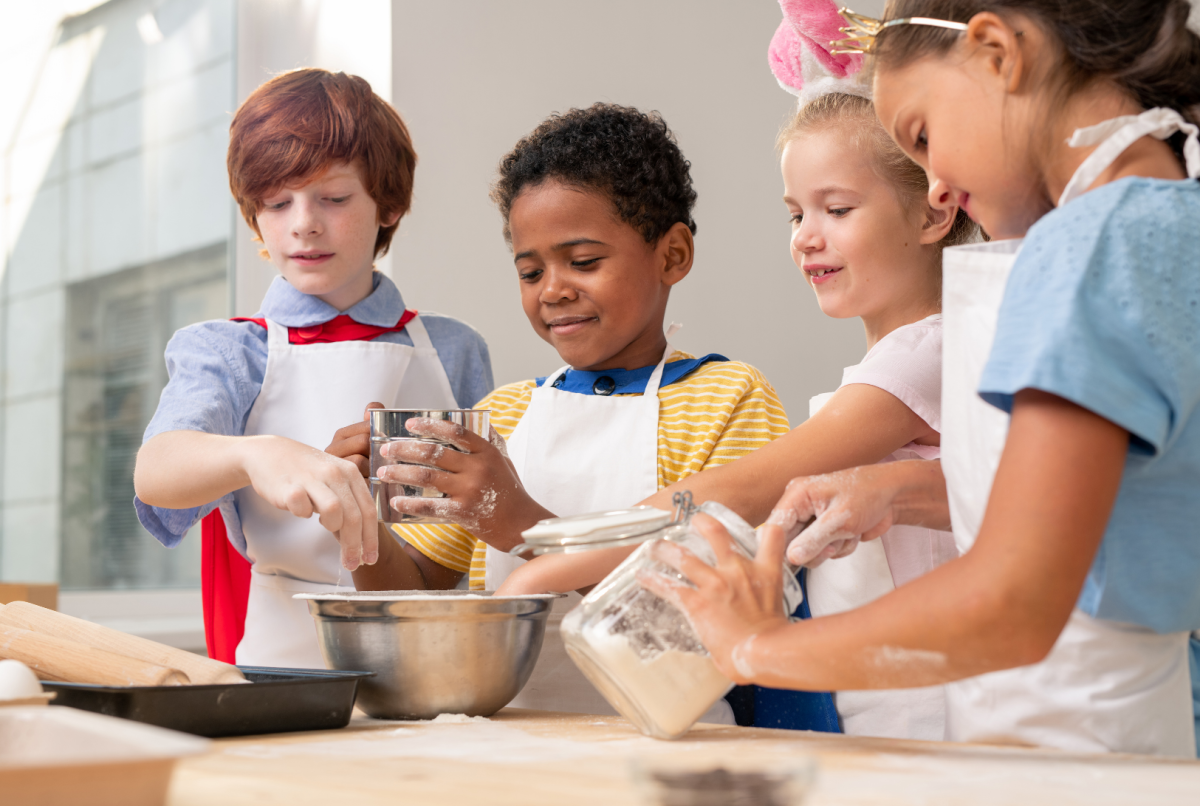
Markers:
point(295, 126)
point(1143, 47)
point(857, 115)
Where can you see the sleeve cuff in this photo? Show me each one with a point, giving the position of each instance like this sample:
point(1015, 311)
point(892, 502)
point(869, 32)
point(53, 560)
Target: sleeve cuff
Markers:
point(169, 525)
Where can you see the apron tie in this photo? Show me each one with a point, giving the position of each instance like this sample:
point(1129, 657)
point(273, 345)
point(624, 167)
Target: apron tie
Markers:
point(1118, 134)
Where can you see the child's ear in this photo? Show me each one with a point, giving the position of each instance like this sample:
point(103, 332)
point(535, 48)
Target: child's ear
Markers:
point(390, 219)
point(995, 41)
point(678, 249)
point(937, 224)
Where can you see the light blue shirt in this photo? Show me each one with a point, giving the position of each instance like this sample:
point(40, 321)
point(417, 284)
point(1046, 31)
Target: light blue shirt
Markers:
point(1103, 309)
point(216, 371)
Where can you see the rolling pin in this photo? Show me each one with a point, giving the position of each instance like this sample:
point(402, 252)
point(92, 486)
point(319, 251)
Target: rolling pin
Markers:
point(199, 670)
point(65, 661)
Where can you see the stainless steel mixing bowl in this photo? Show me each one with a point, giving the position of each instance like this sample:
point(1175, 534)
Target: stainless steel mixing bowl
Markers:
point(433, 652)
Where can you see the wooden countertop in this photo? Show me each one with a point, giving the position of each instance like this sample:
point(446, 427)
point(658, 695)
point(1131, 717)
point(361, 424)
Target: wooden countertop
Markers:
point(527, 758)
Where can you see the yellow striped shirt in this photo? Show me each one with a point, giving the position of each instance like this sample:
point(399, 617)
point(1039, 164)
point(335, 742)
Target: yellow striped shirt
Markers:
point(719, 412)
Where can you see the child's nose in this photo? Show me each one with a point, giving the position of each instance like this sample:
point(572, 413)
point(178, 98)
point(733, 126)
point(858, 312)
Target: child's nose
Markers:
point(806, 238)
point(557, 287)
point(305, 221)
point(940, 194)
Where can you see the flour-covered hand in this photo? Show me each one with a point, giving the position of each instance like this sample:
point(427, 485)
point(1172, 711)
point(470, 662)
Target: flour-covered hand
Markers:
point(482, 490)
point(848, 506)
point(730, 603)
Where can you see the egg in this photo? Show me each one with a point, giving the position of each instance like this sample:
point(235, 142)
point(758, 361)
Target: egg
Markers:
point(17, 681)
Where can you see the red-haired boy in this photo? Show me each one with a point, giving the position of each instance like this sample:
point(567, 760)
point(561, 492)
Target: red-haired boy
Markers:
point(322, 169)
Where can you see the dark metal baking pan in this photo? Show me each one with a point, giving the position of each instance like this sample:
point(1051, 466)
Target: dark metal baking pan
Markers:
point(276, 701)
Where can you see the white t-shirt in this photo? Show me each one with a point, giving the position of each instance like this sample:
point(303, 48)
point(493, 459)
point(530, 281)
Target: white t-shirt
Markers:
point(906, 363)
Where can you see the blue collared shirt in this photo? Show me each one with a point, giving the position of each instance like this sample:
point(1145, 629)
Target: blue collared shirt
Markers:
point(626, 381)
point(216, 372)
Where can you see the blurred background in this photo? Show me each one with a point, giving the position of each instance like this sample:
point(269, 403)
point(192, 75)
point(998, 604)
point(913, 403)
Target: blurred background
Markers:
point(117, 226)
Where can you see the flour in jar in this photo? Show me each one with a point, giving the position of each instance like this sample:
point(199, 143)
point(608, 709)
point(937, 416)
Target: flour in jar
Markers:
point(673, 687)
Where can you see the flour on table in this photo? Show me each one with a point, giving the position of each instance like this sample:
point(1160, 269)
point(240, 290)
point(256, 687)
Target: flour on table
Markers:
point(456, 719)
point(467, 738)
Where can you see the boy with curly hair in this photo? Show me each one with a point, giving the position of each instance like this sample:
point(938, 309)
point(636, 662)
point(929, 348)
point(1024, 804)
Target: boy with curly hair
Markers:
point(597, 209)
point(322, 169)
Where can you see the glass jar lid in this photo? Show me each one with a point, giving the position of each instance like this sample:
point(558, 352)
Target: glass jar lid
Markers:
point(596, 530)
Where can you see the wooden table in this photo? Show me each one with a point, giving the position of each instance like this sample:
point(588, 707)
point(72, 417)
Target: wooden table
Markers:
point(526, 758)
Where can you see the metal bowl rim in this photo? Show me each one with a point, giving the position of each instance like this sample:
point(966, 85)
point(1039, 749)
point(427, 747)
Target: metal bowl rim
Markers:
point(421, 596)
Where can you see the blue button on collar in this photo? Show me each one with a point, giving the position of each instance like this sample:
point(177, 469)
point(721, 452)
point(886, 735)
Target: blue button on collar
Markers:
point(604, 385)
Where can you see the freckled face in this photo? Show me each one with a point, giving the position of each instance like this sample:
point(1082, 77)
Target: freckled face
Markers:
point(969, 136)
point(321, 235)
point(590, 284)
point(853, 239)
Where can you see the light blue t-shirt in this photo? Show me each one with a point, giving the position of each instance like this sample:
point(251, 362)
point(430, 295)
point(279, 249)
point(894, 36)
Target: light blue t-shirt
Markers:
point(217, 368)
point(1103, 309)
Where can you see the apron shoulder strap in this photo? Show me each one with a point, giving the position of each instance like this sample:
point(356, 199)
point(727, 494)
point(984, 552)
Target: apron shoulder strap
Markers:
point(418, 334)
point(277, 334)
point(550, 379)
point(655, 381)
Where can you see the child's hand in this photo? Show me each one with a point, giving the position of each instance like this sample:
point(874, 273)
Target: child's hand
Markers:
point(482, 489)
point(353, 442)
point(858, 504)
point(731, 603)
point(303, 480)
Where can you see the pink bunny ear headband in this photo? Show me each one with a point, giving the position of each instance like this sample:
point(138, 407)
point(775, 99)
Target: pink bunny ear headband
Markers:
point(801, 55)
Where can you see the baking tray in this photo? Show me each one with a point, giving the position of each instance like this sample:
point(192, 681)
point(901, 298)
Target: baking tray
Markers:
point(277, 701)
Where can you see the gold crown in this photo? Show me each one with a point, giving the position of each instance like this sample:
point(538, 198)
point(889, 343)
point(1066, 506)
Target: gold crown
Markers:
point(863, 30)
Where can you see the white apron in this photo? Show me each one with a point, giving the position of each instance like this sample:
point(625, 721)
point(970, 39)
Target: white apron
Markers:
point(578, 453)
point(837, 586)
point(1105, 686)
point(309, 391)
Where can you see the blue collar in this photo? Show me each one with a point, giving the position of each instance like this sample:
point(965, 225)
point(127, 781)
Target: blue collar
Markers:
point(291, 308)
point(627, 381)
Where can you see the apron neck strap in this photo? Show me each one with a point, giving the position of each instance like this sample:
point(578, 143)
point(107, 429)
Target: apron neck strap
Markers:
point(1118, 134)
point(418, 334)
point(655, 381)
point(277, 334)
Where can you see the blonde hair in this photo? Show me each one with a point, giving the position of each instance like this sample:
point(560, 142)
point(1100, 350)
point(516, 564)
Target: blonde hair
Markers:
point(856, 115)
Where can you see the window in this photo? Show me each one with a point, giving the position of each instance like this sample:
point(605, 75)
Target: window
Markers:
point(117, 328)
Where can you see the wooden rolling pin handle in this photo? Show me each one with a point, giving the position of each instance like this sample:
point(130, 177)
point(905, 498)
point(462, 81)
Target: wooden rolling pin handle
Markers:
point(200, 670)
point(64, 661)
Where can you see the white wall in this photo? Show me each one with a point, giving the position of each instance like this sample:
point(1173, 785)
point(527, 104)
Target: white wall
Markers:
point(278, 35)
point(474, 76)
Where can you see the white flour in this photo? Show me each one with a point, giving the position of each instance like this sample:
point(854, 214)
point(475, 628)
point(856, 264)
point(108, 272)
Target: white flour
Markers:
point(674, 688)
point(457, 719)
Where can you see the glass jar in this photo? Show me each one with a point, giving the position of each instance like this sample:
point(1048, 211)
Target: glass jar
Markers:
point(636, 648)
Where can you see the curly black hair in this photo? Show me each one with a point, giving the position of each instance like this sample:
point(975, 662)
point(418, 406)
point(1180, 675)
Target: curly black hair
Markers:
point(628, 155)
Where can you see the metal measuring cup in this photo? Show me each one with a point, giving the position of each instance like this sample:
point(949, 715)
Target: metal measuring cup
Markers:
point(387, 426)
